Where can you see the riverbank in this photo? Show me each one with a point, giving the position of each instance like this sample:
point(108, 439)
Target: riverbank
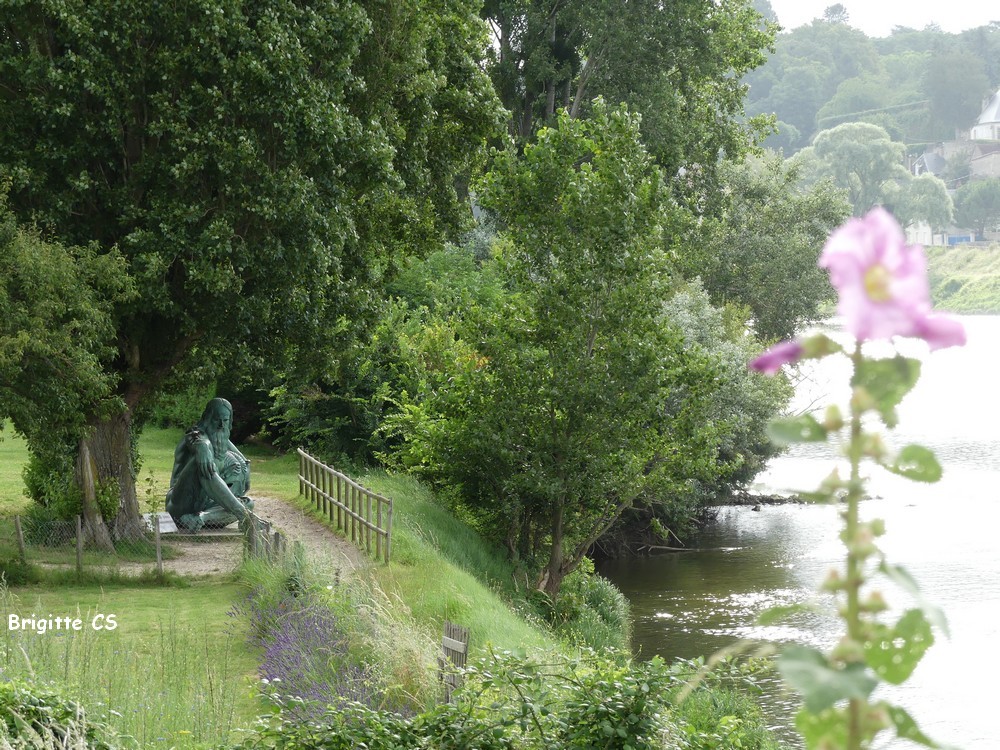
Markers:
point(965, 278)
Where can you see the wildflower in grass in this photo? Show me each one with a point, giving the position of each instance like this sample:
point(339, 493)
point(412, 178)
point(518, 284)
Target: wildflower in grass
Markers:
point(882, 283)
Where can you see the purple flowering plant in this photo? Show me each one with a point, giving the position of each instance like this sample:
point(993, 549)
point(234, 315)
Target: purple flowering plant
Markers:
point(307, 664)
point(881, 282)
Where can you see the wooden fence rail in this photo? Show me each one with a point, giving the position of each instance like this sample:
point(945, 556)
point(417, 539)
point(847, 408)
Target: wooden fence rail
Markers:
point(359, 512)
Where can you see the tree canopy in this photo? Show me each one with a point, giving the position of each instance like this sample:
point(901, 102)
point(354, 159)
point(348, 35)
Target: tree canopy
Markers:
point(860, 158)
point(577, 396)
point(680, 65)
point(256, 164)
point(977, 205)
point(761, 252)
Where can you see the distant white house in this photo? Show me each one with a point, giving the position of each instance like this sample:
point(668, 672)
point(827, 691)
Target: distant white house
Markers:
point(980, 145)
point(987, 127)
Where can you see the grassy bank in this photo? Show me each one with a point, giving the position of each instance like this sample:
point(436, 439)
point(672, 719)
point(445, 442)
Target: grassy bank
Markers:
point(965, 279)
point(175, 674)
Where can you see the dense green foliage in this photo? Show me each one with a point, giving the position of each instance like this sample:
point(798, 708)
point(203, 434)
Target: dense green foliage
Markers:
point(761, 252)
point(509, 701)
point(679, 65)
point(258, 165)
point(575, 396)
point(56, 344)
point(38, 717)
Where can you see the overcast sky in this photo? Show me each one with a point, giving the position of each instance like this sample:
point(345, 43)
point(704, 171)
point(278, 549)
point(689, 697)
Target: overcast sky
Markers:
point(878, 17)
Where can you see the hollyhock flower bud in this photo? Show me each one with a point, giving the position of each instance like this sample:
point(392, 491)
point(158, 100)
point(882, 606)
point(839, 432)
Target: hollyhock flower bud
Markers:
point(780, 354)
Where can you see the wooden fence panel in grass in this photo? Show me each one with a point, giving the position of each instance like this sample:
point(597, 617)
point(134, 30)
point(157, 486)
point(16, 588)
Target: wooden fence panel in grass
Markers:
point(455, 647)
point(363, 515)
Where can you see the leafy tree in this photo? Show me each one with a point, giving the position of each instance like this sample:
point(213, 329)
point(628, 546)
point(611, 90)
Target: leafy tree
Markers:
point(836, 13)
point(924, 198)
point(806, 69)
point(574, 397)
point(860, 158)
point(785, 138)
point(977, 205)
point(955, 84)
point(679, 64)
point(854, 98)
point(257, 164)
point(761, 252)
point(56, 340)
point(741, 407)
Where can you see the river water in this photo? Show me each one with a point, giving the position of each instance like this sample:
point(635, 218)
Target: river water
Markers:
point(693, 603)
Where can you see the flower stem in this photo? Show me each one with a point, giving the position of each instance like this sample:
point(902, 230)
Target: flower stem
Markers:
point(855, 559)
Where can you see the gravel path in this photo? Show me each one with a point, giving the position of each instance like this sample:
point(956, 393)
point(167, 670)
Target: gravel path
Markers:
point(203, 556)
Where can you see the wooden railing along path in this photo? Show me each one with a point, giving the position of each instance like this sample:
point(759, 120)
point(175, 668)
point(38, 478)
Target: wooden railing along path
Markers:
point(359, 512)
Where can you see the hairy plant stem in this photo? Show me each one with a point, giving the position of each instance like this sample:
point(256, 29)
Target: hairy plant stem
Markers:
point(855, 560)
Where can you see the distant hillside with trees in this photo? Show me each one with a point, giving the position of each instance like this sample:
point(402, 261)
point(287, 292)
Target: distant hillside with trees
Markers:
point(920, 85)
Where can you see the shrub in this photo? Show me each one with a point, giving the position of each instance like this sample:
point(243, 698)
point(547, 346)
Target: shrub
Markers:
point(591, 611)
point(14, 572)
point(34, 717)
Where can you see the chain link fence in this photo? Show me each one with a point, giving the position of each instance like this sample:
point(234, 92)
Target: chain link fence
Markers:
point(65, 544)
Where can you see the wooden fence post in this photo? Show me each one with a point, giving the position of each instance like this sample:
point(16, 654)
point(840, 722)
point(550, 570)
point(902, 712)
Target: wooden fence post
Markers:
point(79, 545)
point(302, 473)
point(388, 533)
point(21, 551)
point(156, 538)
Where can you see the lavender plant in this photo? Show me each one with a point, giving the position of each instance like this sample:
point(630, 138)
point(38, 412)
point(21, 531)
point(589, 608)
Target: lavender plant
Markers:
point(883, 295)
point(307, 663)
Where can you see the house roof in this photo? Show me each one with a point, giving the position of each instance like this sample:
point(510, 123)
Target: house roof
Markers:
point(991, 112)
point(931, 162)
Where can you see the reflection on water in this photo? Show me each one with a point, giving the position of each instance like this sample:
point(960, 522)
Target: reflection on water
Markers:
point(693, 603)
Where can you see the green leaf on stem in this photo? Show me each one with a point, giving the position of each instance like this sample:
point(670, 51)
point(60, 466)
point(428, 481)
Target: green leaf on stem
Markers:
point(917, 463)
point(809, 672)
point(887, 381)
point(802, 429)
point(771, 615)
point(828, 727)
point(906, 727)
point(895, 652)
point(902, 578)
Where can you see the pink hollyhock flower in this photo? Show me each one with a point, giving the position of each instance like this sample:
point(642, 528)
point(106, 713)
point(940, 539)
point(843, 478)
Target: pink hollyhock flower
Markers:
point(780, 354)
point(882, 283)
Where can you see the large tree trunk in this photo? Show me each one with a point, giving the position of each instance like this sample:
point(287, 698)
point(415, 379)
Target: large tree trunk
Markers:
point(95, 531)
point(110, 446)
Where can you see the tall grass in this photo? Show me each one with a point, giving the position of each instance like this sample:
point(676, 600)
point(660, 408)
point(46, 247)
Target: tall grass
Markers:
point(965, 279)
point(442, 569)
point(165, 677)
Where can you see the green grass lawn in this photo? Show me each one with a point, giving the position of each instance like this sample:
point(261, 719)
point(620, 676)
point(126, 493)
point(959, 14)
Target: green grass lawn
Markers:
point(13, 455)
